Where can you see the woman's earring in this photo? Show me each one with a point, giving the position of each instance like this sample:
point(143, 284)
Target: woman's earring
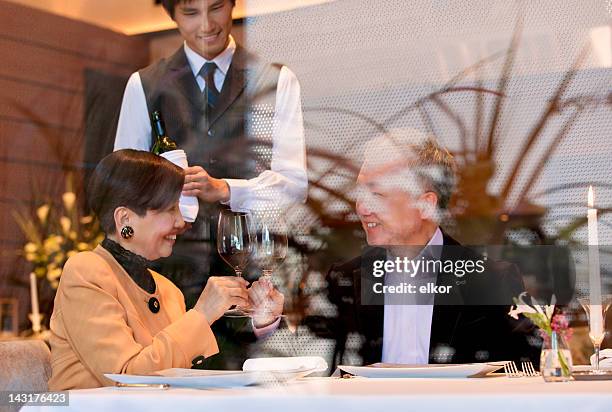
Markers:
point(127, 232)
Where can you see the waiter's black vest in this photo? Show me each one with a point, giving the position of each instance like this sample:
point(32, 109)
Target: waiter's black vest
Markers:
point(233, 140)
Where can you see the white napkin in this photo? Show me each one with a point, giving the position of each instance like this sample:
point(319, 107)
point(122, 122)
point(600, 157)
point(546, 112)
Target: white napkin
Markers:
point(187, 204)
point(605, 358)
point(316, 363)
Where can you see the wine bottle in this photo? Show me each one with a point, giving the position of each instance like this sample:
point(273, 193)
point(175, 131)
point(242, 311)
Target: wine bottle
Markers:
point(162, 142)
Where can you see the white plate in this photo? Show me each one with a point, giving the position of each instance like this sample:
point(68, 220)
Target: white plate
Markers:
point(586, 368)
point(259, 376)
point(273, 376)
point(295, 364)
point(187, 378)
point(423, 371)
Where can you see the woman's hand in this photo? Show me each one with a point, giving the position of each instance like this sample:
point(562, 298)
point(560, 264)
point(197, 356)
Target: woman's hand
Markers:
point(266, 301)
point(220, 294)
point(199, 183)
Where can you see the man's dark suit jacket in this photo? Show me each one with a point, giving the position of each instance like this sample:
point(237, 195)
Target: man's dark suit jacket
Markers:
point(470, 332)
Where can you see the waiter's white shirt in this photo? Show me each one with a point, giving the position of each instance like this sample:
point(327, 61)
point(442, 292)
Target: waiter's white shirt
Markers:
point(287, 180)
point(407, 327)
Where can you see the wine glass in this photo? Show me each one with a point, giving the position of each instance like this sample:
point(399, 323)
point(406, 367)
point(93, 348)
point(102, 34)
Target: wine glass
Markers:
point(596, 314)
point(271, 242)
point(235, 244)
point(270, 248)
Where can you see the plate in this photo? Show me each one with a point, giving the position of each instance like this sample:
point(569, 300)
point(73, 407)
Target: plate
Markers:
point(275, 376)
point(191, 378)
point(586, 368)
point(582, 373)
point(587, 376)
point(295, 364)
point(379, 370)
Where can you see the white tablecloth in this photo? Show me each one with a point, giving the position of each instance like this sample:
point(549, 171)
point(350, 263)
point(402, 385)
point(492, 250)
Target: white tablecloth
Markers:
point(358, 394)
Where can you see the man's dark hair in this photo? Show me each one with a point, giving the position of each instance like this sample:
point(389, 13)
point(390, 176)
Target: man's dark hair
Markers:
point(138, 180)
point(169, 5)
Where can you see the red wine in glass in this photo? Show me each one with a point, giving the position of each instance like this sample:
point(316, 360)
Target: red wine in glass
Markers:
point(234, 245)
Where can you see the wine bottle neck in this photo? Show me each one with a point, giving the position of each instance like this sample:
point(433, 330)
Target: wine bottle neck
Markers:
point(162, 143)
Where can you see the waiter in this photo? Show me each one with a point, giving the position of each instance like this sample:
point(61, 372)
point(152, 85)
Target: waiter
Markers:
point(238, 119)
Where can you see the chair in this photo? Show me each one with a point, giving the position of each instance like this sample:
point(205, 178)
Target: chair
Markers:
point(25, 365)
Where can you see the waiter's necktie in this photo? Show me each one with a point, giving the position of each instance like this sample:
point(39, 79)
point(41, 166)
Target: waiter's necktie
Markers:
point(211, 94)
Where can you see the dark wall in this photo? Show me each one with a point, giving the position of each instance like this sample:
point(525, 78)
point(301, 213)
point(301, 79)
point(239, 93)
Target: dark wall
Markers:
point(55, 74)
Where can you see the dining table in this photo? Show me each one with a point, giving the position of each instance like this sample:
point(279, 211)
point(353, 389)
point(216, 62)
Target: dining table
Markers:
point(493, 393)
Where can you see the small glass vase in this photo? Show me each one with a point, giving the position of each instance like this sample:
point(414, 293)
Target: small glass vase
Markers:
point(556, 359)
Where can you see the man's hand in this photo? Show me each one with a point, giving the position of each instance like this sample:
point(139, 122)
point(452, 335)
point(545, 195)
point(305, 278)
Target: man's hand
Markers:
point(266, 301)
point(208, 189)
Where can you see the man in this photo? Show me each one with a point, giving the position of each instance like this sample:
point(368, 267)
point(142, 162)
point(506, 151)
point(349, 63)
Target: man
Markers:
point(404, 188)
point(238, 119)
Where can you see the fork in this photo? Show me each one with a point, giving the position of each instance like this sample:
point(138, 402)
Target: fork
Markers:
point(529, 370)
point(511, 370)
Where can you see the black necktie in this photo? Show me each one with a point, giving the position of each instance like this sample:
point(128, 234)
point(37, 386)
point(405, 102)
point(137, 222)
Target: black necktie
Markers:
point(211, 94)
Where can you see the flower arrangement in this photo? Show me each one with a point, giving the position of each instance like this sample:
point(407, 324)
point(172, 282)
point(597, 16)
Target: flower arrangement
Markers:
point(540, 315)
point(554, 330)
point(56, 233)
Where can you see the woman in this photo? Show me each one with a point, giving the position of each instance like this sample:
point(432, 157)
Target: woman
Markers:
point(114, 315)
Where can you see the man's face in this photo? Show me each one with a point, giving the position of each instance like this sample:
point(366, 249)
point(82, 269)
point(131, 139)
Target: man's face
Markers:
point(205, 25)
point(390, 213)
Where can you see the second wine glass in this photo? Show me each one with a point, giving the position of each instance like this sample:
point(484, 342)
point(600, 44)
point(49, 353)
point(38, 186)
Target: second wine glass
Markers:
point(596, 315)
point(271, 242)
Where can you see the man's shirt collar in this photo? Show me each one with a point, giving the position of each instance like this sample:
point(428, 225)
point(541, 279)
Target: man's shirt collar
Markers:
point(223, 59)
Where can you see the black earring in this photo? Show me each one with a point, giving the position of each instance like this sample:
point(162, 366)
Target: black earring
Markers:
point(127, 232)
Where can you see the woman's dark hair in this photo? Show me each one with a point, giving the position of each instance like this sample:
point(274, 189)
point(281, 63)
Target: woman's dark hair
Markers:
point(169, 5)
point(140, 181)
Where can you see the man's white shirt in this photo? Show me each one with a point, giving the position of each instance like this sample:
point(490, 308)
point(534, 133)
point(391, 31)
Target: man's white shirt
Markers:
point(286, 181)
point(407, 326)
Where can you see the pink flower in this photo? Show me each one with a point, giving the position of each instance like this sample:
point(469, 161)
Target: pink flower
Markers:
point(559, 323)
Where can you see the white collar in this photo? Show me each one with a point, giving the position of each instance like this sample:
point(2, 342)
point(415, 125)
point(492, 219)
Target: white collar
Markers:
point(436, 240)
point(223, 59)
